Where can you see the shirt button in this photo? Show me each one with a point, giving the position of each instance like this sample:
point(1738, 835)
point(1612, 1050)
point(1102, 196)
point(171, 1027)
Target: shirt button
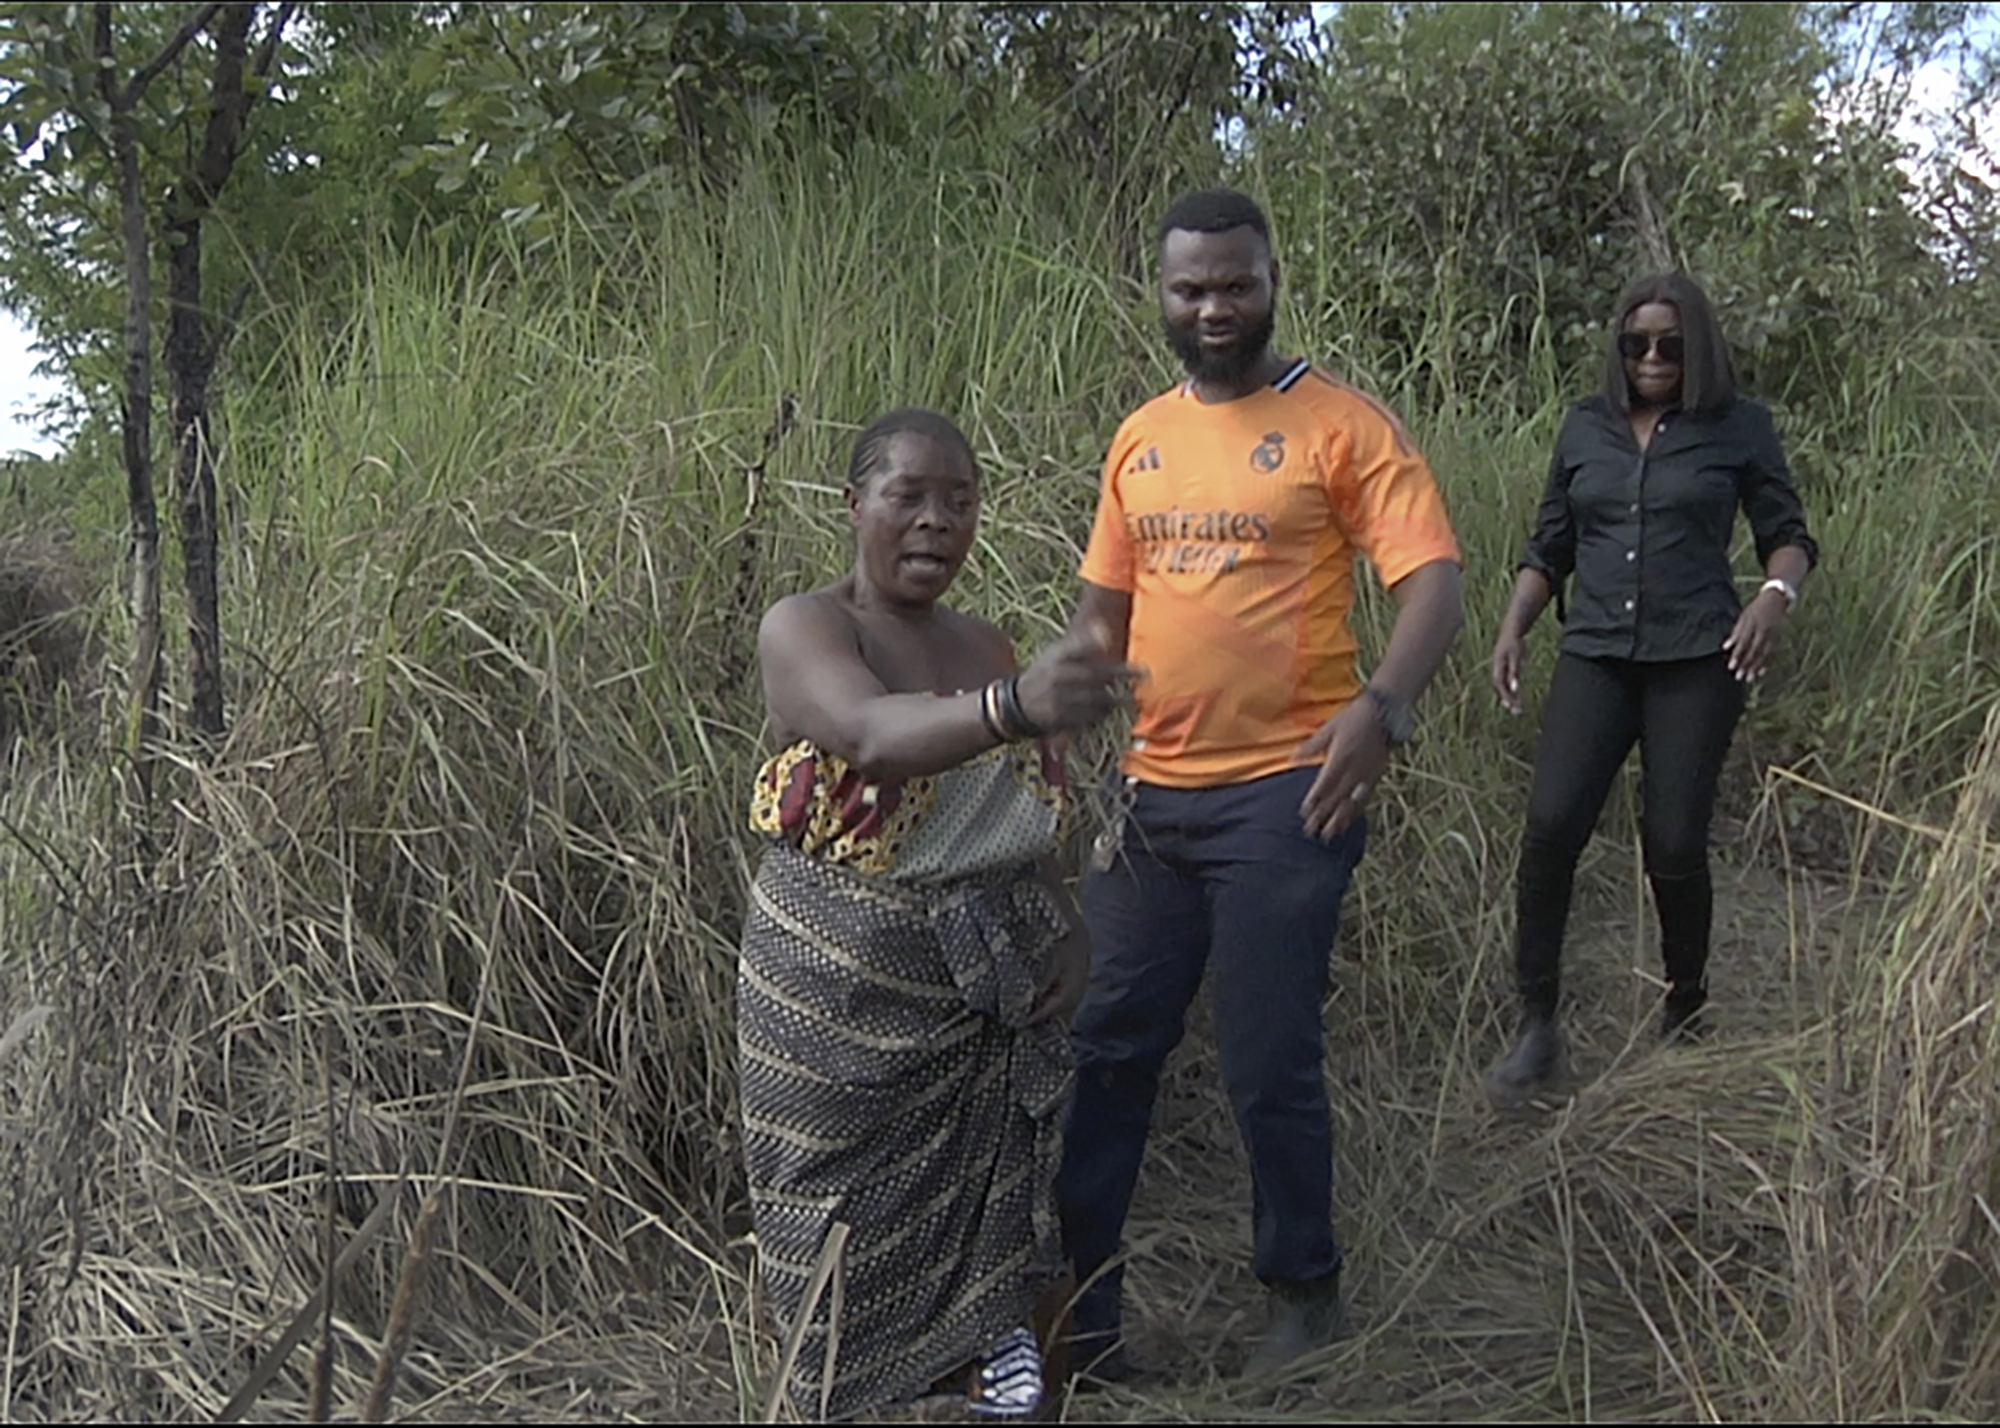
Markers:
point(1631, 555)
point(1635, 508)
point(1628, 604)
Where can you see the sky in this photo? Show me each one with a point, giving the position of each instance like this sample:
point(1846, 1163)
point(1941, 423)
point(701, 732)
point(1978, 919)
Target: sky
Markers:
point(20, 390)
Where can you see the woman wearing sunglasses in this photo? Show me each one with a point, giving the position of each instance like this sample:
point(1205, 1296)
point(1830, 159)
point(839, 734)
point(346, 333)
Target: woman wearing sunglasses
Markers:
point(1657, 647)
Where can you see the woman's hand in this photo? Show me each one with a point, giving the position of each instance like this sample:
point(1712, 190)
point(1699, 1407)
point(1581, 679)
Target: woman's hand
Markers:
point(1533, 589)
point(1755, 639)
point(1075, 682)
point(1506, 669)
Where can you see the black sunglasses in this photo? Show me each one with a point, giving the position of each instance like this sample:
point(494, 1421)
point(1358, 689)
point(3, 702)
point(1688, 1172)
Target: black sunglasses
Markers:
point(1632, 346)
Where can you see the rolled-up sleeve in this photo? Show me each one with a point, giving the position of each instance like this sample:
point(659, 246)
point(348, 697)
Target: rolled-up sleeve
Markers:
point(1552, 547)
point(1770, 502)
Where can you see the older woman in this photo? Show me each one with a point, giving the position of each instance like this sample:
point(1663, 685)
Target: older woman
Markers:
point(910, 960)
point(1642, 496)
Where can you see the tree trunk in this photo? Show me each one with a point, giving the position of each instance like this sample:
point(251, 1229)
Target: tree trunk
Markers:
point(190, 361)
point(193, 341)
point(191, 355)
point(136, 413)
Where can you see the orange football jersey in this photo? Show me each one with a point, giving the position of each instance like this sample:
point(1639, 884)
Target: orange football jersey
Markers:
point(1234, 527)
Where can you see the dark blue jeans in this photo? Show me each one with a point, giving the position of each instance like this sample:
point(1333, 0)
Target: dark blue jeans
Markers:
point(1224, 876)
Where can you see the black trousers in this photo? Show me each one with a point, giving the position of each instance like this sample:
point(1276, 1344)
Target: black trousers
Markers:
point(1681, 713)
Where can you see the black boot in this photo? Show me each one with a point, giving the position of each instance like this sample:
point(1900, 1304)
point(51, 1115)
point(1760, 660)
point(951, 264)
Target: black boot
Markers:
point(1303, 1316)
point(1099, 1361)
point(1539, 1062)
point(1681, 1013)
point(1687, 909)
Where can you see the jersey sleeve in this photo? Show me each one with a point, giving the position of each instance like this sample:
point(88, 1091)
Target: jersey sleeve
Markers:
point(1387, 498)
point(1109, 559)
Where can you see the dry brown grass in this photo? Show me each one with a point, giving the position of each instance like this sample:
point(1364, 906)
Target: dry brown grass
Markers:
point(428, 941)
point(1790, 1221)
point(46, 643)
point(450, 917)
point(422, 948)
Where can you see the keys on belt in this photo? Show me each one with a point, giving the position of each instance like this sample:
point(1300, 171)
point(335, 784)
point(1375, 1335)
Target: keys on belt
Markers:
point(1104, 848)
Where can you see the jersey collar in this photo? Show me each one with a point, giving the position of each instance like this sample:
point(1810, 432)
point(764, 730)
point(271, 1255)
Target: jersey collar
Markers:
point(1283, 382)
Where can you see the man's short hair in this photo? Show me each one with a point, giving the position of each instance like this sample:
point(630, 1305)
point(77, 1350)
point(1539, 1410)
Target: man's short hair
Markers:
point(1215, 210)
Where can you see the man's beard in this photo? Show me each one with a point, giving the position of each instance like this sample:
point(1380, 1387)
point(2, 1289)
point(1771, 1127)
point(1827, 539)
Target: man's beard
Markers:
point(1228, 367)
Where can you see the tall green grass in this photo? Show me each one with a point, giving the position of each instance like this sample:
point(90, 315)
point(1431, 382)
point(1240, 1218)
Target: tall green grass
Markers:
point(453, 910)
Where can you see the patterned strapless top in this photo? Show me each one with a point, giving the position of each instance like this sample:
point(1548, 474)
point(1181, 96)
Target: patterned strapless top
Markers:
point(998, 810)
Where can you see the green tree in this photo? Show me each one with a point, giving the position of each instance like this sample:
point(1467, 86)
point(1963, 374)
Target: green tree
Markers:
point(1481, 180)
point(607, 98)
point(162, 133)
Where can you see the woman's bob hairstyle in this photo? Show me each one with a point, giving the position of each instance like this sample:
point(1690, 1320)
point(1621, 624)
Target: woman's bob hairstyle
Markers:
point(1708, 379)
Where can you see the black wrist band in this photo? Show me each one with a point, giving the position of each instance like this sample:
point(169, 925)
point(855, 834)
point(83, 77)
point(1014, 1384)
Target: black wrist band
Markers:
point(1012, 716)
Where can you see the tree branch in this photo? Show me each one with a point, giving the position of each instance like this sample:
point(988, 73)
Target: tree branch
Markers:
point(231, 101)
point(150, 71)
point(1653, 237)
point(100, 46)
point(267, 52)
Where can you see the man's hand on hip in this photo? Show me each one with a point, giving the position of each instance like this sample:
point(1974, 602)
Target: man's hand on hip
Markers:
point(1354, 753)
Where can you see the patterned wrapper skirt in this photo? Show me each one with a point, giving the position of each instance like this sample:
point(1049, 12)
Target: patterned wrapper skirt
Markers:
point(890, 1085)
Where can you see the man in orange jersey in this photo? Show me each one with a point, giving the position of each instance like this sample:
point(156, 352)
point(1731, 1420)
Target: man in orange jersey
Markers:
point(1222, 563)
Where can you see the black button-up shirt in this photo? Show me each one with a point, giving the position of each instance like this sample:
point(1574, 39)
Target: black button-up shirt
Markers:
point(1647, 533)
